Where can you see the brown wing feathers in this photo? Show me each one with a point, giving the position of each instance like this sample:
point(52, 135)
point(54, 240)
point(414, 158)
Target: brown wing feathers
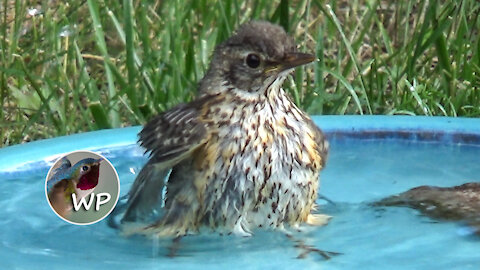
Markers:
point(172, 133)
point(169, 138)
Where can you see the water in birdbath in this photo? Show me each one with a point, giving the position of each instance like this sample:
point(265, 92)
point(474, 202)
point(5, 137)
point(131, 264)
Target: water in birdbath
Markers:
point(358, 173)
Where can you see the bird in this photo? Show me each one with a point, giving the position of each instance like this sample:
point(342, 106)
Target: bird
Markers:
point(240, 156)
point(67, 180)
point(457, 203)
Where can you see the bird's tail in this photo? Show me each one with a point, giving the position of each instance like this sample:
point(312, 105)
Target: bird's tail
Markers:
point(145, 210)
point(143, 203)
point(145, 198)
point(114, 219)
point(177, 221)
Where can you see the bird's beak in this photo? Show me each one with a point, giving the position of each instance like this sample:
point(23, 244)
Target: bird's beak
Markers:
point(296, 59)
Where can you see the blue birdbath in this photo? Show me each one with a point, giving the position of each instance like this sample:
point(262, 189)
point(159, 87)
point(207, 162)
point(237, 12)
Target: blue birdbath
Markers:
point(371, 157)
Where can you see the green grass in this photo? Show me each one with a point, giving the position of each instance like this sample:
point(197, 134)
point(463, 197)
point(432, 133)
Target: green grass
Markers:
point(90, 65)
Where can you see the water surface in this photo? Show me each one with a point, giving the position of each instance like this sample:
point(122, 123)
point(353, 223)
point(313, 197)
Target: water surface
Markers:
point(358, 172)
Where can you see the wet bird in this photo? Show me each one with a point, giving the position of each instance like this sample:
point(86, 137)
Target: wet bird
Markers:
point(459, 203)
point(67, 180)
point(240, 156)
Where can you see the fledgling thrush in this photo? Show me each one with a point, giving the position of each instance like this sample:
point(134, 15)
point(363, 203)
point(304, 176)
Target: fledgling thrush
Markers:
point(241, 155)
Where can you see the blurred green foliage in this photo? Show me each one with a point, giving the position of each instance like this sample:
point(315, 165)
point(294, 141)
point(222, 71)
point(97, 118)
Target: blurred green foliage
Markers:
point(68, 67)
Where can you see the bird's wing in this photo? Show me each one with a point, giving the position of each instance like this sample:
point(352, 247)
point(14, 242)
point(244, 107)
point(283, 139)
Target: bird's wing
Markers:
point(64, 164)
point(174, 133)
point(321, 142)
point(169, 138)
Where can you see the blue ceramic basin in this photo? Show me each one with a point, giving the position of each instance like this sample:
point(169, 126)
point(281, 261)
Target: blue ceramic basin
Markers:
point(371, 157)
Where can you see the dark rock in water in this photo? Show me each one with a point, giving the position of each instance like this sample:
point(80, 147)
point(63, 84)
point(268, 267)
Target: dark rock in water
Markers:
point(460, 203)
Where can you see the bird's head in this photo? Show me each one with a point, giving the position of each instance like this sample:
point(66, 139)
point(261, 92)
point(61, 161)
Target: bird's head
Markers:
point(256, 56)
point(86, 173)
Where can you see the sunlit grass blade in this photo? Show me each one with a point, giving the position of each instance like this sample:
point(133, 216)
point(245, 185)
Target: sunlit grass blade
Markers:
point(130, 50)
point(99, 115)
point(352, 56)
point(414, 90)
point(348, 86)
point(100, 42)
point(36, 86)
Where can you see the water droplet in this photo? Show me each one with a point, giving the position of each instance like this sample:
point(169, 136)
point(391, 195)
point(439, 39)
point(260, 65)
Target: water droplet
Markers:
point(132, 170)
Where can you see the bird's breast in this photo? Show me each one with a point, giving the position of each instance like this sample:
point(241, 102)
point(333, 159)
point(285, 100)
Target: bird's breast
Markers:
point(262, 163)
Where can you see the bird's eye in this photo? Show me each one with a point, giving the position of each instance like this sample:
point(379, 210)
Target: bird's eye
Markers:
point(85, 168)
point(253, 60)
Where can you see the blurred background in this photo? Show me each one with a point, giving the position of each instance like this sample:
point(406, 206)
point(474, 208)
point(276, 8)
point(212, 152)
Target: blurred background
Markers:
point(77, 66)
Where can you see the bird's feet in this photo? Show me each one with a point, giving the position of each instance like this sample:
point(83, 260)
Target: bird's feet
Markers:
point(174, 247)
point(305, 249)
point(318, 219)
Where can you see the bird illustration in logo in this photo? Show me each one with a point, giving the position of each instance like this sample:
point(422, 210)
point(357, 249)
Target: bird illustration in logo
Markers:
point(79, 179)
